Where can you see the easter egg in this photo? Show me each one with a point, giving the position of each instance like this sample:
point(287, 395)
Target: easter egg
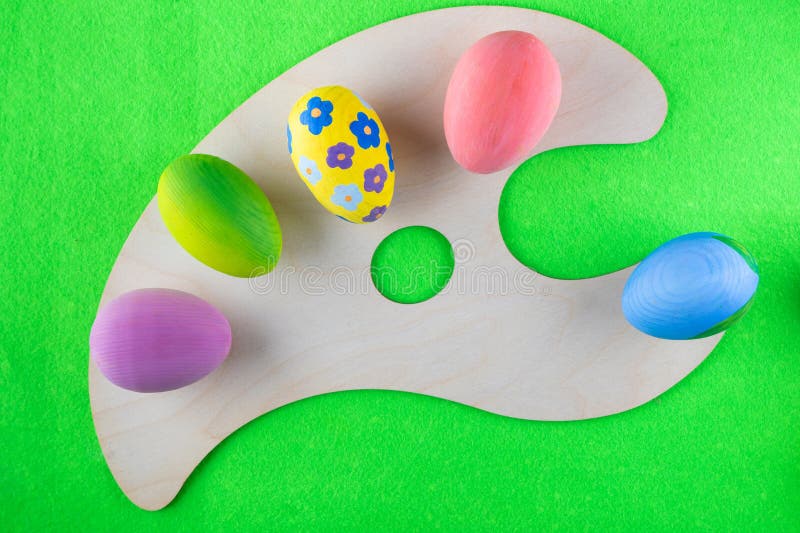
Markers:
point(502, 97)
point(341, 151)
point(219, 215)
point(155, 340)
point(691, 287)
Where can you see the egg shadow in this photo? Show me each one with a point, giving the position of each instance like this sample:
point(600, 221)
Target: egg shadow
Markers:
point(419, 147)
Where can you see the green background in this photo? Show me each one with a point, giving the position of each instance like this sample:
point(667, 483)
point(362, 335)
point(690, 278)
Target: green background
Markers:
point(97, 97)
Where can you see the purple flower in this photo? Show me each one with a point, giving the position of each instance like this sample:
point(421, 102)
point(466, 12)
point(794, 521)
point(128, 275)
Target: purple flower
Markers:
point(340, 155)
point(375, 214)
point(375, 178)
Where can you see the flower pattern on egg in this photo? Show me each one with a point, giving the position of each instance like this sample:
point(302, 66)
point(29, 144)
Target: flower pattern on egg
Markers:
point(375, 178)
point(366, 131)
point(347, 196)
point(317, 115)
point(309, 170)
point(340, 155)
point(375, 214)
point(391, 158)
point(340, 150)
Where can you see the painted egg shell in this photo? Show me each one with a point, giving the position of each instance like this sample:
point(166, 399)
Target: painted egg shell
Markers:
point(219, 215)
point(155, 340)
point(502, 97)
point(342, 153)
point(691, 287)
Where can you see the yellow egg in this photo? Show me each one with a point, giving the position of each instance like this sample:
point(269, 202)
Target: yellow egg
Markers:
point(342, 153)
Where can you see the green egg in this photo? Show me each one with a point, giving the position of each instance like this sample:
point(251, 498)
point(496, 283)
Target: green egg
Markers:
point(219, 215)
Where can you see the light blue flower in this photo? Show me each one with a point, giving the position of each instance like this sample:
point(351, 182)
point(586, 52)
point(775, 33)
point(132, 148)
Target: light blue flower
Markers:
point(317, 115)
point(347, 196)
point(308, 170)
point(366, 131)
point(289, 138)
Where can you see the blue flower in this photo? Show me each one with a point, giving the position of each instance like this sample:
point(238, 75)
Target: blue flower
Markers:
point(308, 169)
point(366, 131)
point(347, 196)
point(289, 137)
point(317, 115)
point(391, 159)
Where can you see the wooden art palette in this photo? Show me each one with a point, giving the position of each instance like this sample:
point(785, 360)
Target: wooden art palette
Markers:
point(545, 349)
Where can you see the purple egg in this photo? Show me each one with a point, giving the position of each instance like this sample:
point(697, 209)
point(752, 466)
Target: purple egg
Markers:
point(155, 340)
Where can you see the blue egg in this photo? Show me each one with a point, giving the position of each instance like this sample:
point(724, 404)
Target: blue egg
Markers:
point(691, 287)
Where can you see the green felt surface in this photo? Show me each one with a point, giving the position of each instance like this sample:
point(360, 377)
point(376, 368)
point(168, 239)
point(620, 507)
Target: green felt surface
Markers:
point(96, 98)
point(410, 278)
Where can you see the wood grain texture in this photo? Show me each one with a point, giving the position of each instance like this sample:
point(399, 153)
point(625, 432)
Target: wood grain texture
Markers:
point(542, 349)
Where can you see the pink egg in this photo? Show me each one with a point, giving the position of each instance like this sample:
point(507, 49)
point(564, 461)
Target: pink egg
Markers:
point(502, 97)
point(155, 340)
